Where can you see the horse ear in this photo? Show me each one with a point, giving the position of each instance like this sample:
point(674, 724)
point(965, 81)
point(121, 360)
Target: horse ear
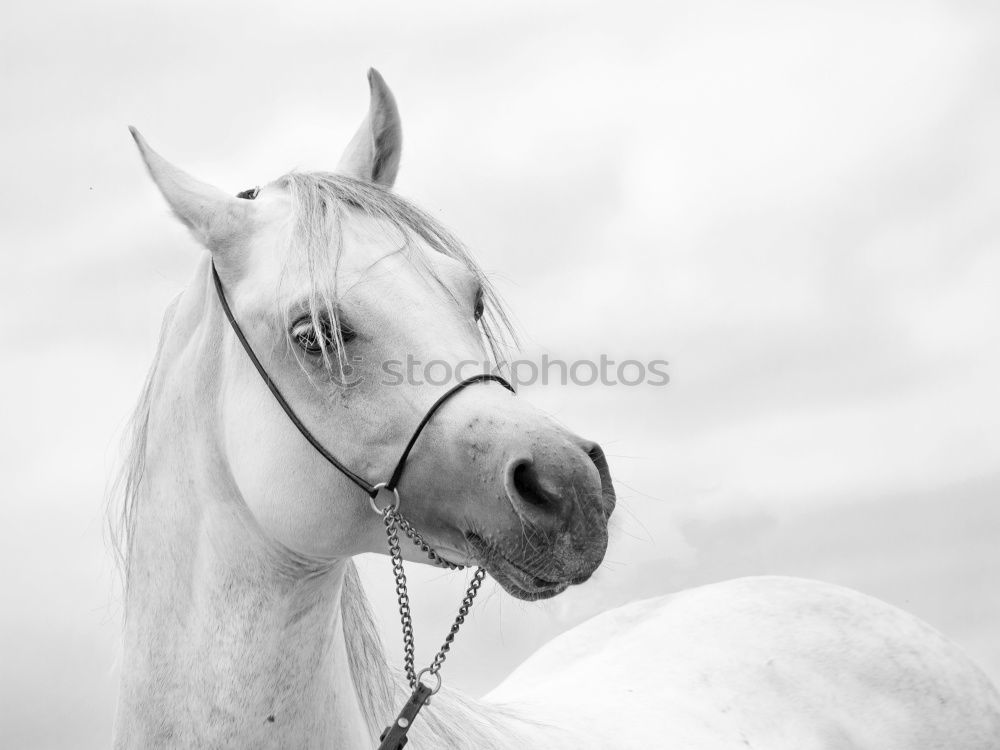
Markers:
point(373, 153)
point(217, 220)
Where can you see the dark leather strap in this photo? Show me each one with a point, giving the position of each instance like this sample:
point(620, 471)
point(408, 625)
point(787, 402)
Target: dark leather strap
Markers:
point(481, 378)
point(360, 481)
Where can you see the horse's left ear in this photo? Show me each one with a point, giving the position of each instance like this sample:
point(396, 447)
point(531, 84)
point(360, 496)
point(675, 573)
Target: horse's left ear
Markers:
point(217, 220)
point(373, 153)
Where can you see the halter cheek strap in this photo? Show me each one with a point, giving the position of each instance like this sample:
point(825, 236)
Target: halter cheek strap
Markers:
point(371, 489)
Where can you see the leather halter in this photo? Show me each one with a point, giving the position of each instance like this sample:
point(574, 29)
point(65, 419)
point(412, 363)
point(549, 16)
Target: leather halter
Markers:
point(371, 489)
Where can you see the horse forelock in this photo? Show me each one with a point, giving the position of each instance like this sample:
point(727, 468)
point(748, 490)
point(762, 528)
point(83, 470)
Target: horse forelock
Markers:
point(320, 203)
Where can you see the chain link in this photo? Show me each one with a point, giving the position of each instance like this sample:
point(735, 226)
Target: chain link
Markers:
point(418, 540)
point(463, 611)
point(402, 595)
point(393, 520)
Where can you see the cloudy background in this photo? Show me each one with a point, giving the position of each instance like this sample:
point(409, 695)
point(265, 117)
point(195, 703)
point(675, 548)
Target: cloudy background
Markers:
point(794, 204)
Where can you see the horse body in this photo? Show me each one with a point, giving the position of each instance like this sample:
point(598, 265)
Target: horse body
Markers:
point(246, 625)
point(770, 663)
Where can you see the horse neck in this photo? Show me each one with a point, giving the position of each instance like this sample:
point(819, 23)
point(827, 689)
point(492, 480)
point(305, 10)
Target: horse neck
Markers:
point(232, 639)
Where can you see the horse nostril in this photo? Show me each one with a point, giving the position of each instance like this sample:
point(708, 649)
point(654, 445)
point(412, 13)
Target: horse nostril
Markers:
point(528, 487)
point(597, 457)
point(596, 454)
point(561, 485)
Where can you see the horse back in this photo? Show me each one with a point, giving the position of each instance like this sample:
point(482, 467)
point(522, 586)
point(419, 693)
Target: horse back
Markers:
point(771, 663)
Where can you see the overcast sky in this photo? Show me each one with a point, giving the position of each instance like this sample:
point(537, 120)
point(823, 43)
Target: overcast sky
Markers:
point(794, 204)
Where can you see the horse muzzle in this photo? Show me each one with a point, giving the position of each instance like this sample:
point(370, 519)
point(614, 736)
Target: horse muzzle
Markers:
point(559, 499)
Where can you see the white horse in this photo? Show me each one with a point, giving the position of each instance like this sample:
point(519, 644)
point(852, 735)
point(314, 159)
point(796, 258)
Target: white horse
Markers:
point(246, 626)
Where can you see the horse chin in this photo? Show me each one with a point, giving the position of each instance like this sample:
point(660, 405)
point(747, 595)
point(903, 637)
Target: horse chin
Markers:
point(530, 596)
point(514, 578)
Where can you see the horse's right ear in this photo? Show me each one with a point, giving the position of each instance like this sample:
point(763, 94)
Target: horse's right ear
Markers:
point(373, 153)
point(217, 220)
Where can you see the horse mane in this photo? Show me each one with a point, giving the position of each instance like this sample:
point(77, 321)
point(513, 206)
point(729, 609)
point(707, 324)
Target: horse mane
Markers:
point(125, 489)
point(320, 202)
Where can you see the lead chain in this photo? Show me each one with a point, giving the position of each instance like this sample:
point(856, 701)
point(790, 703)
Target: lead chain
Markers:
point(418, 540)
point(393, 520)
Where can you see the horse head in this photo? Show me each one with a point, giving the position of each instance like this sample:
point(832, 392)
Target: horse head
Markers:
point(340, 286)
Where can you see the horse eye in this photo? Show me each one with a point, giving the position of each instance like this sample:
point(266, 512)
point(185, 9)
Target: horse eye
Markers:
point(480, 306)
point(316, 342)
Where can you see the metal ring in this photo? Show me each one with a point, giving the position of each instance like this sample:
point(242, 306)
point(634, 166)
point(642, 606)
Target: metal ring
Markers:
point(378, 488)
point(425, 670)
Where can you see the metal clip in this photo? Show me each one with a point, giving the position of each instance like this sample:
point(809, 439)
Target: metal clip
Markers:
point(394, 737)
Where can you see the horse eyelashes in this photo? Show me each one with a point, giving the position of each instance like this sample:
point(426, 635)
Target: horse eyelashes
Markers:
point(316, 342)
